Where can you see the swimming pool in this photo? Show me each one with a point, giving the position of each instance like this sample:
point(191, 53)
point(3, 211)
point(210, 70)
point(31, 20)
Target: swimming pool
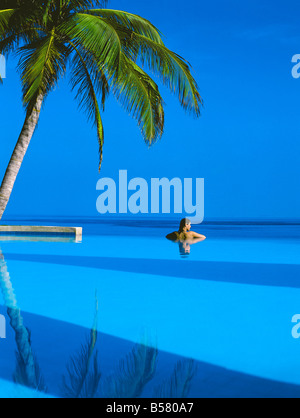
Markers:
point(127, 313)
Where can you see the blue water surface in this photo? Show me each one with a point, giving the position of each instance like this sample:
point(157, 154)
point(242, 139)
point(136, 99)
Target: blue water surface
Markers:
point(127, 313)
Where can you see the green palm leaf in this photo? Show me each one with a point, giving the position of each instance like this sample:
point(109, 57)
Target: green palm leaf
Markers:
point(5, 16)
point(18, 26)
point(173, 70)
point(96, 36)
point(84, 4)
point(133, 22)
point(41, 64)
point(89, 82)
point(140, 96)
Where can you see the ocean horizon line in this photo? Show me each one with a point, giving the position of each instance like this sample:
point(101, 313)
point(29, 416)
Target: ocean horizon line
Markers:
point(136, 219)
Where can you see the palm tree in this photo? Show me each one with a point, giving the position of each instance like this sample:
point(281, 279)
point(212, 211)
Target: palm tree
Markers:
point(105, 51)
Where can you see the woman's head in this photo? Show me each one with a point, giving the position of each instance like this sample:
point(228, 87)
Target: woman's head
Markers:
point(185, 225)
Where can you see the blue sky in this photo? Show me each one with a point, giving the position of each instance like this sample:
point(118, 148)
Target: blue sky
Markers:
point(246, 144)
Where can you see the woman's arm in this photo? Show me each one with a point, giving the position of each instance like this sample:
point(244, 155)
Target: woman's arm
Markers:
point(198, 236)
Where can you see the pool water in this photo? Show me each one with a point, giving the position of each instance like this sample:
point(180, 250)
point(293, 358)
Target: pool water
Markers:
point(126, 313)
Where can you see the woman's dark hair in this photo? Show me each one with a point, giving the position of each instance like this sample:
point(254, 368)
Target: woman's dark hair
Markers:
point(183, 223)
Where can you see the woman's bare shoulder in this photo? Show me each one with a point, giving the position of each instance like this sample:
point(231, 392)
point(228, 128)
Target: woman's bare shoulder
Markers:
point(199, 236)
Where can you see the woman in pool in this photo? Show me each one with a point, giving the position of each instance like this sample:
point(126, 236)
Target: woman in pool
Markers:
point(185, 234)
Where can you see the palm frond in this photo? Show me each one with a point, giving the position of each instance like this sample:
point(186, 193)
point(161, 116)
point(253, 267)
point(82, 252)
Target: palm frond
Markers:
point(83, 5)
point(5, 16)
point(41, 63)
point(173, 70)
point(22, 15)
point(133, 374)
point(12, 42)
point(9, 4)
point(83, 373)
point(140, 96)
point(131, 21)
point(89, 81)
point(46, 11)
point(95, 36)
point(17, 27)
point(178, 386)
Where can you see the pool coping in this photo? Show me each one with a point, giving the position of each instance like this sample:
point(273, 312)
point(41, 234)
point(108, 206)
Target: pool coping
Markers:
point(47, 230)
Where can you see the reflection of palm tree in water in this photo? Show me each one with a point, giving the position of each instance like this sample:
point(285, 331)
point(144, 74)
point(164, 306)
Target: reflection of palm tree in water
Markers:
point(83, 377)
point(27, 371)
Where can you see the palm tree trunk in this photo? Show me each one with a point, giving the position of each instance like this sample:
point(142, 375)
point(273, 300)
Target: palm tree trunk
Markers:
point(18, 155)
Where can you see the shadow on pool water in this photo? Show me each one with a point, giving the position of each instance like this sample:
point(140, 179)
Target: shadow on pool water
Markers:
point(259, 274)
point(70, 361)
point(65, 360)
